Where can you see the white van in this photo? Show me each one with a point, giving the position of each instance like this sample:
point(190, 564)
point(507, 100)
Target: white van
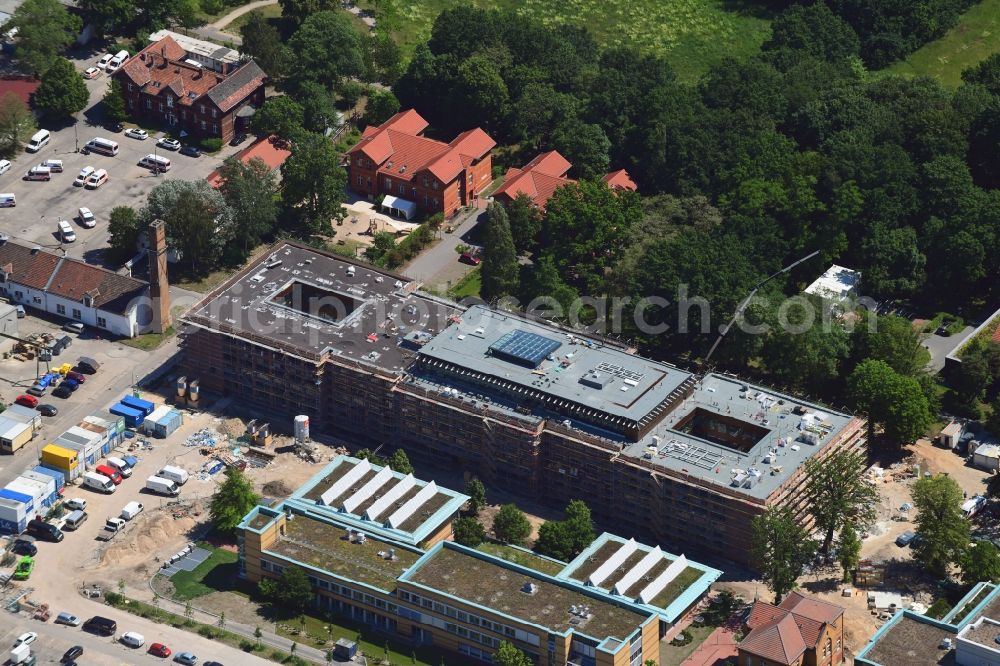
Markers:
point(66, 233)
point(98, 482)
point(38, 141)
point(75, 519)
point(38, 173)
point(97, 179)
point(102, 146)
point(55, 166)
point(117, 61)
point(155, 162)
point(162, 486)
point(175, 474)
point(8, 200)
point(123, 467)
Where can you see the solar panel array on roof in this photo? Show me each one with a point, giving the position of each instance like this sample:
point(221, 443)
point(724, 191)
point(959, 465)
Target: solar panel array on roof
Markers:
point(524, 348)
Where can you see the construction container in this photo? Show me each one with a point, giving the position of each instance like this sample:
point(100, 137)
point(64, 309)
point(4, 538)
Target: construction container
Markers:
point(103, 433)
point(115, 427)
point(13, 516)
point(24, 415)
point(33, 490)
point(57, 476)
point(162, 422)
point(133, 417)
point(59, 457)
point(144, 406)
point(51, 491)
point(14, 434)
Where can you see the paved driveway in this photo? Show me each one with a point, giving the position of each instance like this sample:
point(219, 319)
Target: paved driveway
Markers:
point(940, 346)
point(435, 266)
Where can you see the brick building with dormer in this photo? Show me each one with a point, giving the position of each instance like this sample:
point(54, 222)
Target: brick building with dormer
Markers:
point(162, 85)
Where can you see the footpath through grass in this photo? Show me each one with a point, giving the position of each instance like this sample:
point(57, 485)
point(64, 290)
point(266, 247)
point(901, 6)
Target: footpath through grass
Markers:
point(976, 37)
point(693, 34)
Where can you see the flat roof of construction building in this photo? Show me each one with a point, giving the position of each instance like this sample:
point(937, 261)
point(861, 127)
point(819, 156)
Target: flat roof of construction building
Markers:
point(777, 434)
point(554, 366)
point(315, 305)
point(377, 501)
point(524, 594)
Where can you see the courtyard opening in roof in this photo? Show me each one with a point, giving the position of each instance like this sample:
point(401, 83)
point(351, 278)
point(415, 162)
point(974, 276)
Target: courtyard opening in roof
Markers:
point(330, 306)
point(524, 348)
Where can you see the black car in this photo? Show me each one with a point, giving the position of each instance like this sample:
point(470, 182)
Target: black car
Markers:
point(72, 654)
point(42, 530)
point(24, 548)
point(190, 151)
point(47, 410)
point(115, 127)
point(238, 139)
point(63, 391)
point(101, 625)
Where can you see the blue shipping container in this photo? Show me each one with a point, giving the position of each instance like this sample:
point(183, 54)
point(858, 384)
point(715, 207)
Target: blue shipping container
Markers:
point(55, 474)
point(133, 417)
point(144, 406)
point(27, 500)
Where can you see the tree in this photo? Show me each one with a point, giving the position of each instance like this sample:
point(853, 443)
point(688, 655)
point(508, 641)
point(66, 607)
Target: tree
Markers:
point(381, 106)
point(848, 550)
point(895, 402)
point(109, 16)
point(292, 590)
point(16, 123)
point(838, 494)
point(114, 102)
point(313, 184)
point(199, 223)
point(585, 145)
point(469, 532)
point(508, 655)
point(993, 420)
point(233, 499)
point(281, 116)
point(970, 379)
point(814, 30)
point(45, 28)
point(124, 230)
point(943, 528)
point(482, 92)
point(263, 43)
point(892, 339)
point(318, 113)
point(400, 462)
point(326, 49)
point(499, 266)
point(372, 457)
point(250, 190)
point(62, 91)
point(525, 222)
point(986, 74)
point(383, 242)
point(580, 525)
point(511, 525)
point(296, 11)
point(477, 494)
point(555, 540)
point(779, 549)
point(980, 562)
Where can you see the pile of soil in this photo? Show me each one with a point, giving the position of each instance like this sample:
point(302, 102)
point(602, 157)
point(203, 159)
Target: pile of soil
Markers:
point(155, 531)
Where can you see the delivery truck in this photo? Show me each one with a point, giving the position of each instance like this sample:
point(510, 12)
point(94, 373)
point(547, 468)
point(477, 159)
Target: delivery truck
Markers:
point(161, 486)
point(98, 482)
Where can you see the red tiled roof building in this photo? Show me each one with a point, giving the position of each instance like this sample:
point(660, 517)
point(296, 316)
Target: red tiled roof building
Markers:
point(396, 160)
point(540, 178)
point(801, 631)
point(160, 85)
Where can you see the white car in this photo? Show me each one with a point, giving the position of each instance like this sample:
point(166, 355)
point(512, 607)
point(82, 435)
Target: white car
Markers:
point(4, 166)
point(169, 144)
point(133, 639)
point(66, 233)
point(86, 218)
point(105, 59)
point(91, 73)
point(76, 504)
point(84, 174)
point(136, 133)
point(26, 638)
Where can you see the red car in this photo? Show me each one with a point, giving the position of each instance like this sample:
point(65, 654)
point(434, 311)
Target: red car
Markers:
point(469, 258)
point(26, 401)
point(73, 374)
point(159, 650)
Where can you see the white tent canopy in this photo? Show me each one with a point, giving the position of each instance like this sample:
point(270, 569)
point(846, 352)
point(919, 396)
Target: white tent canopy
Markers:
point(401, 206)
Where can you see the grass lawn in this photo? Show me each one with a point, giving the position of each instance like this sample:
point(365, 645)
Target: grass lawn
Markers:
point(216, 573)
point(976, 37)
point(467, 286)
point(270, 12)
point(693, 34)
point(674, 656)
point(149, 341)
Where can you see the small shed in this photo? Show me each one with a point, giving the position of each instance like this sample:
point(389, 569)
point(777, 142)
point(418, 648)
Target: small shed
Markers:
point(344, 650)
point(14, 434)
point(162, 422)
point(950, 435)
point(24, 415)
point(987, 456)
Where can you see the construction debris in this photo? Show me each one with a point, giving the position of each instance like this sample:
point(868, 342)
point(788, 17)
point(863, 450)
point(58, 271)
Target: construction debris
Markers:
point(206, 438)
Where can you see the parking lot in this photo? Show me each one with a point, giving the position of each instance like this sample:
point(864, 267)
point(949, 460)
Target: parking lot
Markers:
point(41, 204)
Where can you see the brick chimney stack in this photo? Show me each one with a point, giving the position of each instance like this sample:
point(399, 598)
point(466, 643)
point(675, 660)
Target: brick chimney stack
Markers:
point(159, 286)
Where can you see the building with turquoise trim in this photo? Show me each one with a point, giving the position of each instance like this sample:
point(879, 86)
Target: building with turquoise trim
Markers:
point(376, 546)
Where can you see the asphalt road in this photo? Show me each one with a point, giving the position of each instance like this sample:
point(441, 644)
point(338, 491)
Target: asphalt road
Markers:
point(441, 259)
point(41, 204)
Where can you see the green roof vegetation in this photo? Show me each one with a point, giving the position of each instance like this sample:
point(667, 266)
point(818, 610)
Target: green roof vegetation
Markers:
point(522, 557)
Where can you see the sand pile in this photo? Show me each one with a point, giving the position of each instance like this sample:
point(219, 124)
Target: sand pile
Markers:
point(142, 543)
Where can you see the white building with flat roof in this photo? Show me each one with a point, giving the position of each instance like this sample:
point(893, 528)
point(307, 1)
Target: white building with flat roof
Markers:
point(202, 53)
point(837, 284)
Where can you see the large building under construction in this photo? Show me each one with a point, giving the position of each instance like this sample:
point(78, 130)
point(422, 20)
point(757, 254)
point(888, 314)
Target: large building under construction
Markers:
point(657, 452)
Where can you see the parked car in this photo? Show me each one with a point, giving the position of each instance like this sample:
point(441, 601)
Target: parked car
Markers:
point(73, 327)
point(4, 166)
point(26, 638)
point(81, 178)
point(133, 639)
point(26, 401)
point(68, 619)
point(62, 392)
point(169, 144)
point(105, 59)
point(238, 139)
point(76, 504)
point(24, 568)
point(86, 218)
point(47, 410)
point(91, 73)
point(72, 653)
point(159, 650)
point(114, 127)
point(137, 133)
point(906, 538)
point(71, 383)
point(470, 258)
point(36, 390)
point(190, 151)
point(186, 658)
point(24, 548)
